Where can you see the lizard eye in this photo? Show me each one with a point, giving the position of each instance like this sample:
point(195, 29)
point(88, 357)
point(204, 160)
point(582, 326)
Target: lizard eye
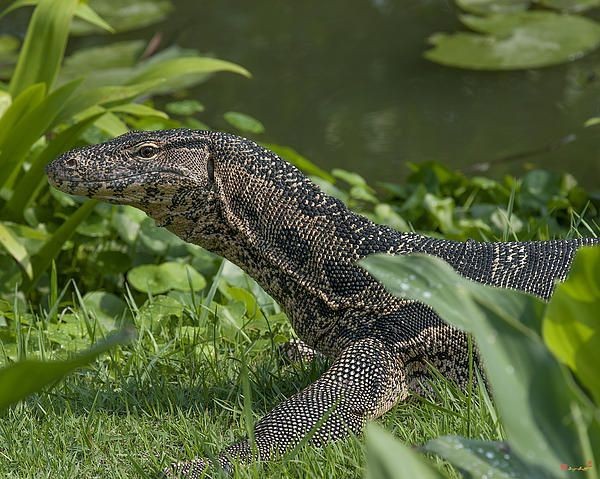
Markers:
point(147, 151)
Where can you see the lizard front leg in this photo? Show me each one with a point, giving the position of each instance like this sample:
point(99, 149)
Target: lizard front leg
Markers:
point(364, 381)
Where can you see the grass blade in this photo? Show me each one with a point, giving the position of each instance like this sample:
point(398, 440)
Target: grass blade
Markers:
point(23, 378)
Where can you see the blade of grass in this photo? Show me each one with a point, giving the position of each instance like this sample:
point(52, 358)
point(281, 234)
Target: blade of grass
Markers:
point(23, 378)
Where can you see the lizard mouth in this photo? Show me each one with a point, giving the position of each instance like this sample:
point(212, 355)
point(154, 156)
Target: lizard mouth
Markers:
point(57, 180)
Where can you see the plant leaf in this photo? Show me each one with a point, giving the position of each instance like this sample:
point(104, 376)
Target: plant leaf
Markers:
point(156, 279)
point(533, 394)
point(177, 67)
point(26, 101)
point(85, 12)
point(44, 45)
point(491, 459)
point(387, 458)
point(137, 109)
point(243, 122)
point(292, 156)
point(27, 187)
point(14, 246)
point(31, 127)
point(571, 325)
point(103, 96)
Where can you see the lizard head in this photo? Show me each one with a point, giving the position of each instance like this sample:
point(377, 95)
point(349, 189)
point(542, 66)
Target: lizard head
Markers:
point(140, 168)
point(168, 174)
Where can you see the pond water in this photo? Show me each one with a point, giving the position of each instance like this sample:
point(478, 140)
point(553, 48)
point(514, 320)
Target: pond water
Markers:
point(346, 85)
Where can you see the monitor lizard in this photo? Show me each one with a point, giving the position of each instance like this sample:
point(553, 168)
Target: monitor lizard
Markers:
point(241, 201)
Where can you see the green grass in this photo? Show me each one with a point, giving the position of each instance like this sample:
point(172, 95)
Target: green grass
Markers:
point(171, 397)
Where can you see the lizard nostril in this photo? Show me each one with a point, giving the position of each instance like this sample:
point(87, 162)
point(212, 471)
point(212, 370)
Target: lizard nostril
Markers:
point(71, 162)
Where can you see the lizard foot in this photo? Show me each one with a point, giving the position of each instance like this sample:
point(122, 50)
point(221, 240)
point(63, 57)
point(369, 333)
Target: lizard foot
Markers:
point(193, 469)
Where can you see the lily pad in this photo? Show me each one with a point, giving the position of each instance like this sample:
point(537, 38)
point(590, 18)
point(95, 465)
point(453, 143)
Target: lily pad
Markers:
point(570, 5)
point(487, 7)
point(156, 279)
point(516, 41)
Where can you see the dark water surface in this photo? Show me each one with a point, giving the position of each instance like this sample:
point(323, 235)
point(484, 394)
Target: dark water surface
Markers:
point(344, 82)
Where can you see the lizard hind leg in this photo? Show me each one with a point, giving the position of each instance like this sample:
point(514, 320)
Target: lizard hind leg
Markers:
point(445, 350)
point(364, 381)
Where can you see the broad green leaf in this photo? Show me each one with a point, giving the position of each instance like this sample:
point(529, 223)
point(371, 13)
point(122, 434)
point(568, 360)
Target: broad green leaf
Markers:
point(531, 389)
point(113, 262)
point(487, 7)
point(31, 127)
point(177, 67)
point(353, 179)
point(106, 307)
point(156, 279)
point(387, 458)
point(52, 246)
point(44, 45)
point(103, 65)
point(157, 240)
point(516, 41)
point(14, 246)
point(292, 156)
point(571, 325)
point(592, 122)
point(127, 222)
point(490, 459)
point(94, 226)
point(137, 109)
point(244, 123)
point(23, 378)
point(159, 309)
point(111, 124)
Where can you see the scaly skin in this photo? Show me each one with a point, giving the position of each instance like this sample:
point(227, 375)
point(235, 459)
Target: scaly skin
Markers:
point(237, 199)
